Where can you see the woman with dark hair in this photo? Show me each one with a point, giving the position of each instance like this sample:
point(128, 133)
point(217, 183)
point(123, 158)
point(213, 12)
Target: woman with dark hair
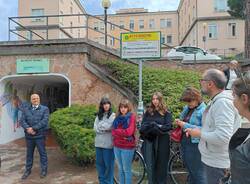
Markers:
point(104, 142)
point(191, 117)
point(155, 126)
point(123, 132)
point(239, 146)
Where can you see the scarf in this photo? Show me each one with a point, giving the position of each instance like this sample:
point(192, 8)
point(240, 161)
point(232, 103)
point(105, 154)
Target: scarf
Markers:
point(123, 120)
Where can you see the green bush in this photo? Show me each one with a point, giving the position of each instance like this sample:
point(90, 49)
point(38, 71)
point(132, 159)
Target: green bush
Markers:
point(169, 82)
point(73, 127)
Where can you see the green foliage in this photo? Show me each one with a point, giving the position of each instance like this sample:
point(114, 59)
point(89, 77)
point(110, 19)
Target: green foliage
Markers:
point(73, 127)
point(170, 83)
point(237, 8)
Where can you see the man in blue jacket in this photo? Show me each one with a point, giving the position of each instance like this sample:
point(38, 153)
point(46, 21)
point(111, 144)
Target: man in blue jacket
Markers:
point(34, 121)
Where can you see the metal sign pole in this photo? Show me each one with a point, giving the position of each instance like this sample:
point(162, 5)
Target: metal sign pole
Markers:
point(140, 109)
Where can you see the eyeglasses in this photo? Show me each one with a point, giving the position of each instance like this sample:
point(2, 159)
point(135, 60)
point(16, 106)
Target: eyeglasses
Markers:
point(201, 80)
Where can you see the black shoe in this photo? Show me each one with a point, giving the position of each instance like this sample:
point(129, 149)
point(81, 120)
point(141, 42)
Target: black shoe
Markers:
point(43, 174)
point(25, 175)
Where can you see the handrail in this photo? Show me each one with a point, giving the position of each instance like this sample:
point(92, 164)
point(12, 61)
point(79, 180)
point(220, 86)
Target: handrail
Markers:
point(47, 27)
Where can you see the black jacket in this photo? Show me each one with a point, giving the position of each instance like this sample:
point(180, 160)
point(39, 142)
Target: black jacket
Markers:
point(155, 125)
point(227, 74)
point(239, 152)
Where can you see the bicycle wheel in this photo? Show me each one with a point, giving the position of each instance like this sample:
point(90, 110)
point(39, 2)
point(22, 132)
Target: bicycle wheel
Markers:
point(138, 169)
point(177, 170)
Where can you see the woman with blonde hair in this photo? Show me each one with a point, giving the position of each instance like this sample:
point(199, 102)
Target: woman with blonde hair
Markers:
point(123, 132)
point(155, 126)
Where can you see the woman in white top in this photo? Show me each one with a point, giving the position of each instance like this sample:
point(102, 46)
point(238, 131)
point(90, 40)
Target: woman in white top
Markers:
point(104, 142)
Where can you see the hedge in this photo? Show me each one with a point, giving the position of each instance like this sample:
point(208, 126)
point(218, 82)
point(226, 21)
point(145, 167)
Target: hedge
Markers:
point(73, 128)
point(169, 82)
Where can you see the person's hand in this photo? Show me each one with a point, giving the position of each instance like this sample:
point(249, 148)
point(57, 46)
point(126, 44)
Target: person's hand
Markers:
point(30, 131)
point(195, 132)
point(179, 122)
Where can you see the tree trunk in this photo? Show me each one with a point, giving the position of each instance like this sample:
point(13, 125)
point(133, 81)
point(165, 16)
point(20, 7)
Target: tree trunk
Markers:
point(247, 30)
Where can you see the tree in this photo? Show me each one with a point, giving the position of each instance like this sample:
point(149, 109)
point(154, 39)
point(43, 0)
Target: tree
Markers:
point(237, 8)
point(241, 9)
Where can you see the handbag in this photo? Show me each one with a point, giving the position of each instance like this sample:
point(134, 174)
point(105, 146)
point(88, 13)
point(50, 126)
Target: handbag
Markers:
point(176, 134)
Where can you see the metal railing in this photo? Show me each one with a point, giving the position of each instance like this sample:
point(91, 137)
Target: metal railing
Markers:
point(41, 27)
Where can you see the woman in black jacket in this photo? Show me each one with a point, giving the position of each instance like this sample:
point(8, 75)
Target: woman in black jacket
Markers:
point(156, 124)
point(239, 146)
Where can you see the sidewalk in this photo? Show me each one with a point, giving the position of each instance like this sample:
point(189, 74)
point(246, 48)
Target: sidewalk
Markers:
point(60, 170)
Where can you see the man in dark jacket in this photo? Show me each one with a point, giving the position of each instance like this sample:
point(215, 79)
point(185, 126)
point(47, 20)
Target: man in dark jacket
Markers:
point(34, 120)
point(232, 73)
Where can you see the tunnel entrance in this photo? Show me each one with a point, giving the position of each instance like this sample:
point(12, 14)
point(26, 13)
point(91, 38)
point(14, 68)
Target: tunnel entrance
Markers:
point(54, 91)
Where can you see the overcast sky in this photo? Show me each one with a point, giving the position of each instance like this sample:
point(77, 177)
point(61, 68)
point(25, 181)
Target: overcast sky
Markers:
point(8, 8)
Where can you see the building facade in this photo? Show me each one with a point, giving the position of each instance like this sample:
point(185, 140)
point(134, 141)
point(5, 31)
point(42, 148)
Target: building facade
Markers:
point(199, 23)
point(58, 27)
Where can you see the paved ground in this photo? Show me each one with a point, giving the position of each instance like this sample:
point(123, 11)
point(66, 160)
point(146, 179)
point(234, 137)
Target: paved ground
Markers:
point(60, 171)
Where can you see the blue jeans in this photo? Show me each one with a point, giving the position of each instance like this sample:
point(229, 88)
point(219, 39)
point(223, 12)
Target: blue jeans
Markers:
point(40, 144)
point(124, 158)
point(105, 165)
point(214, 174)
point(192, 159)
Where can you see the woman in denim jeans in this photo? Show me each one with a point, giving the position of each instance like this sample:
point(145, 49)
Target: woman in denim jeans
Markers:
point(104, 142)
point(123, 132)
point(191, 118)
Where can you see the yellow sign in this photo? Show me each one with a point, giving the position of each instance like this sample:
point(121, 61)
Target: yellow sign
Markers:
point(146, 36)
point(139, 45)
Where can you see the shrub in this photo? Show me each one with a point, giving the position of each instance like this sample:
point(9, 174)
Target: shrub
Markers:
point(168, 81)
point(73, 128)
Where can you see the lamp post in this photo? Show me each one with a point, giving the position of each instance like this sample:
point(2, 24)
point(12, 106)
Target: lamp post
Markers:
point(105, 4)
point(204, 34)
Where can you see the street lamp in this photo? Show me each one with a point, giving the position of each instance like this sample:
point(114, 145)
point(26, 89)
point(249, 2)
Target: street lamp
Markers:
point(204, 34)
point(105, 4)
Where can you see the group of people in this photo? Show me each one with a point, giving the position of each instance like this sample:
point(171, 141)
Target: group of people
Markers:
point(214, 147)
point(212, 141)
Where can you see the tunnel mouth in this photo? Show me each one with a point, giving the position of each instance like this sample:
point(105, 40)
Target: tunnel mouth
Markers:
point(15, 90)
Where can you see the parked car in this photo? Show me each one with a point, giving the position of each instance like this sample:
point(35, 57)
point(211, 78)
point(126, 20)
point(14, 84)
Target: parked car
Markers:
point(189, 53)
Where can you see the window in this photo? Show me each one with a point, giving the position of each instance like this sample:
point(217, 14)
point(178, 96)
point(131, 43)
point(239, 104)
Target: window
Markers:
point(61, 18)
point(212, 31)
point(232, 29)
point(112, 27)
point(101, 26)
point(151, 24)
point(169, 38)
point(37, 12)
point(79, 18)
point(141, 24)
point(164, 23)
point(220, 5)
point(163, 38)
point(131, 24)
point(71, 10)
point(112, 41)
point(122, 24)
point(29, 35)
point(71, 25)
point(95, 25)
point(169, 23)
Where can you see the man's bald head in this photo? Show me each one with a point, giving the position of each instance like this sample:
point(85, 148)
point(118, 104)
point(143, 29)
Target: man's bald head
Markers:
point(217, 76)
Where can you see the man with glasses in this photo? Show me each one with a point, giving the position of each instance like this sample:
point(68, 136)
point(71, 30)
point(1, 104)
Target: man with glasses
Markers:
point(220, 120)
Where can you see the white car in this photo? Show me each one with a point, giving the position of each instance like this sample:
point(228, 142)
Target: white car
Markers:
point(189, 53)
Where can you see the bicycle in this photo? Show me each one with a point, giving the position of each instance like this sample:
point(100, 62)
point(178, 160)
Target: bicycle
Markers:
point(176, 168)
point(138, 166)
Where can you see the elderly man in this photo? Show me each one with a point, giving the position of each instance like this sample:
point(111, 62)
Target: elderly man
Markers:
point(220, 120)
point(232, 73)
point(34, 120)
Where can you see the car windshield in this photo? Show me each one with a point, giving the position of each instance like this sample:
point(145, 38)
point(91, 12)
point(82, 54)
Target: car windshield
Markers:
point(190, 50)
